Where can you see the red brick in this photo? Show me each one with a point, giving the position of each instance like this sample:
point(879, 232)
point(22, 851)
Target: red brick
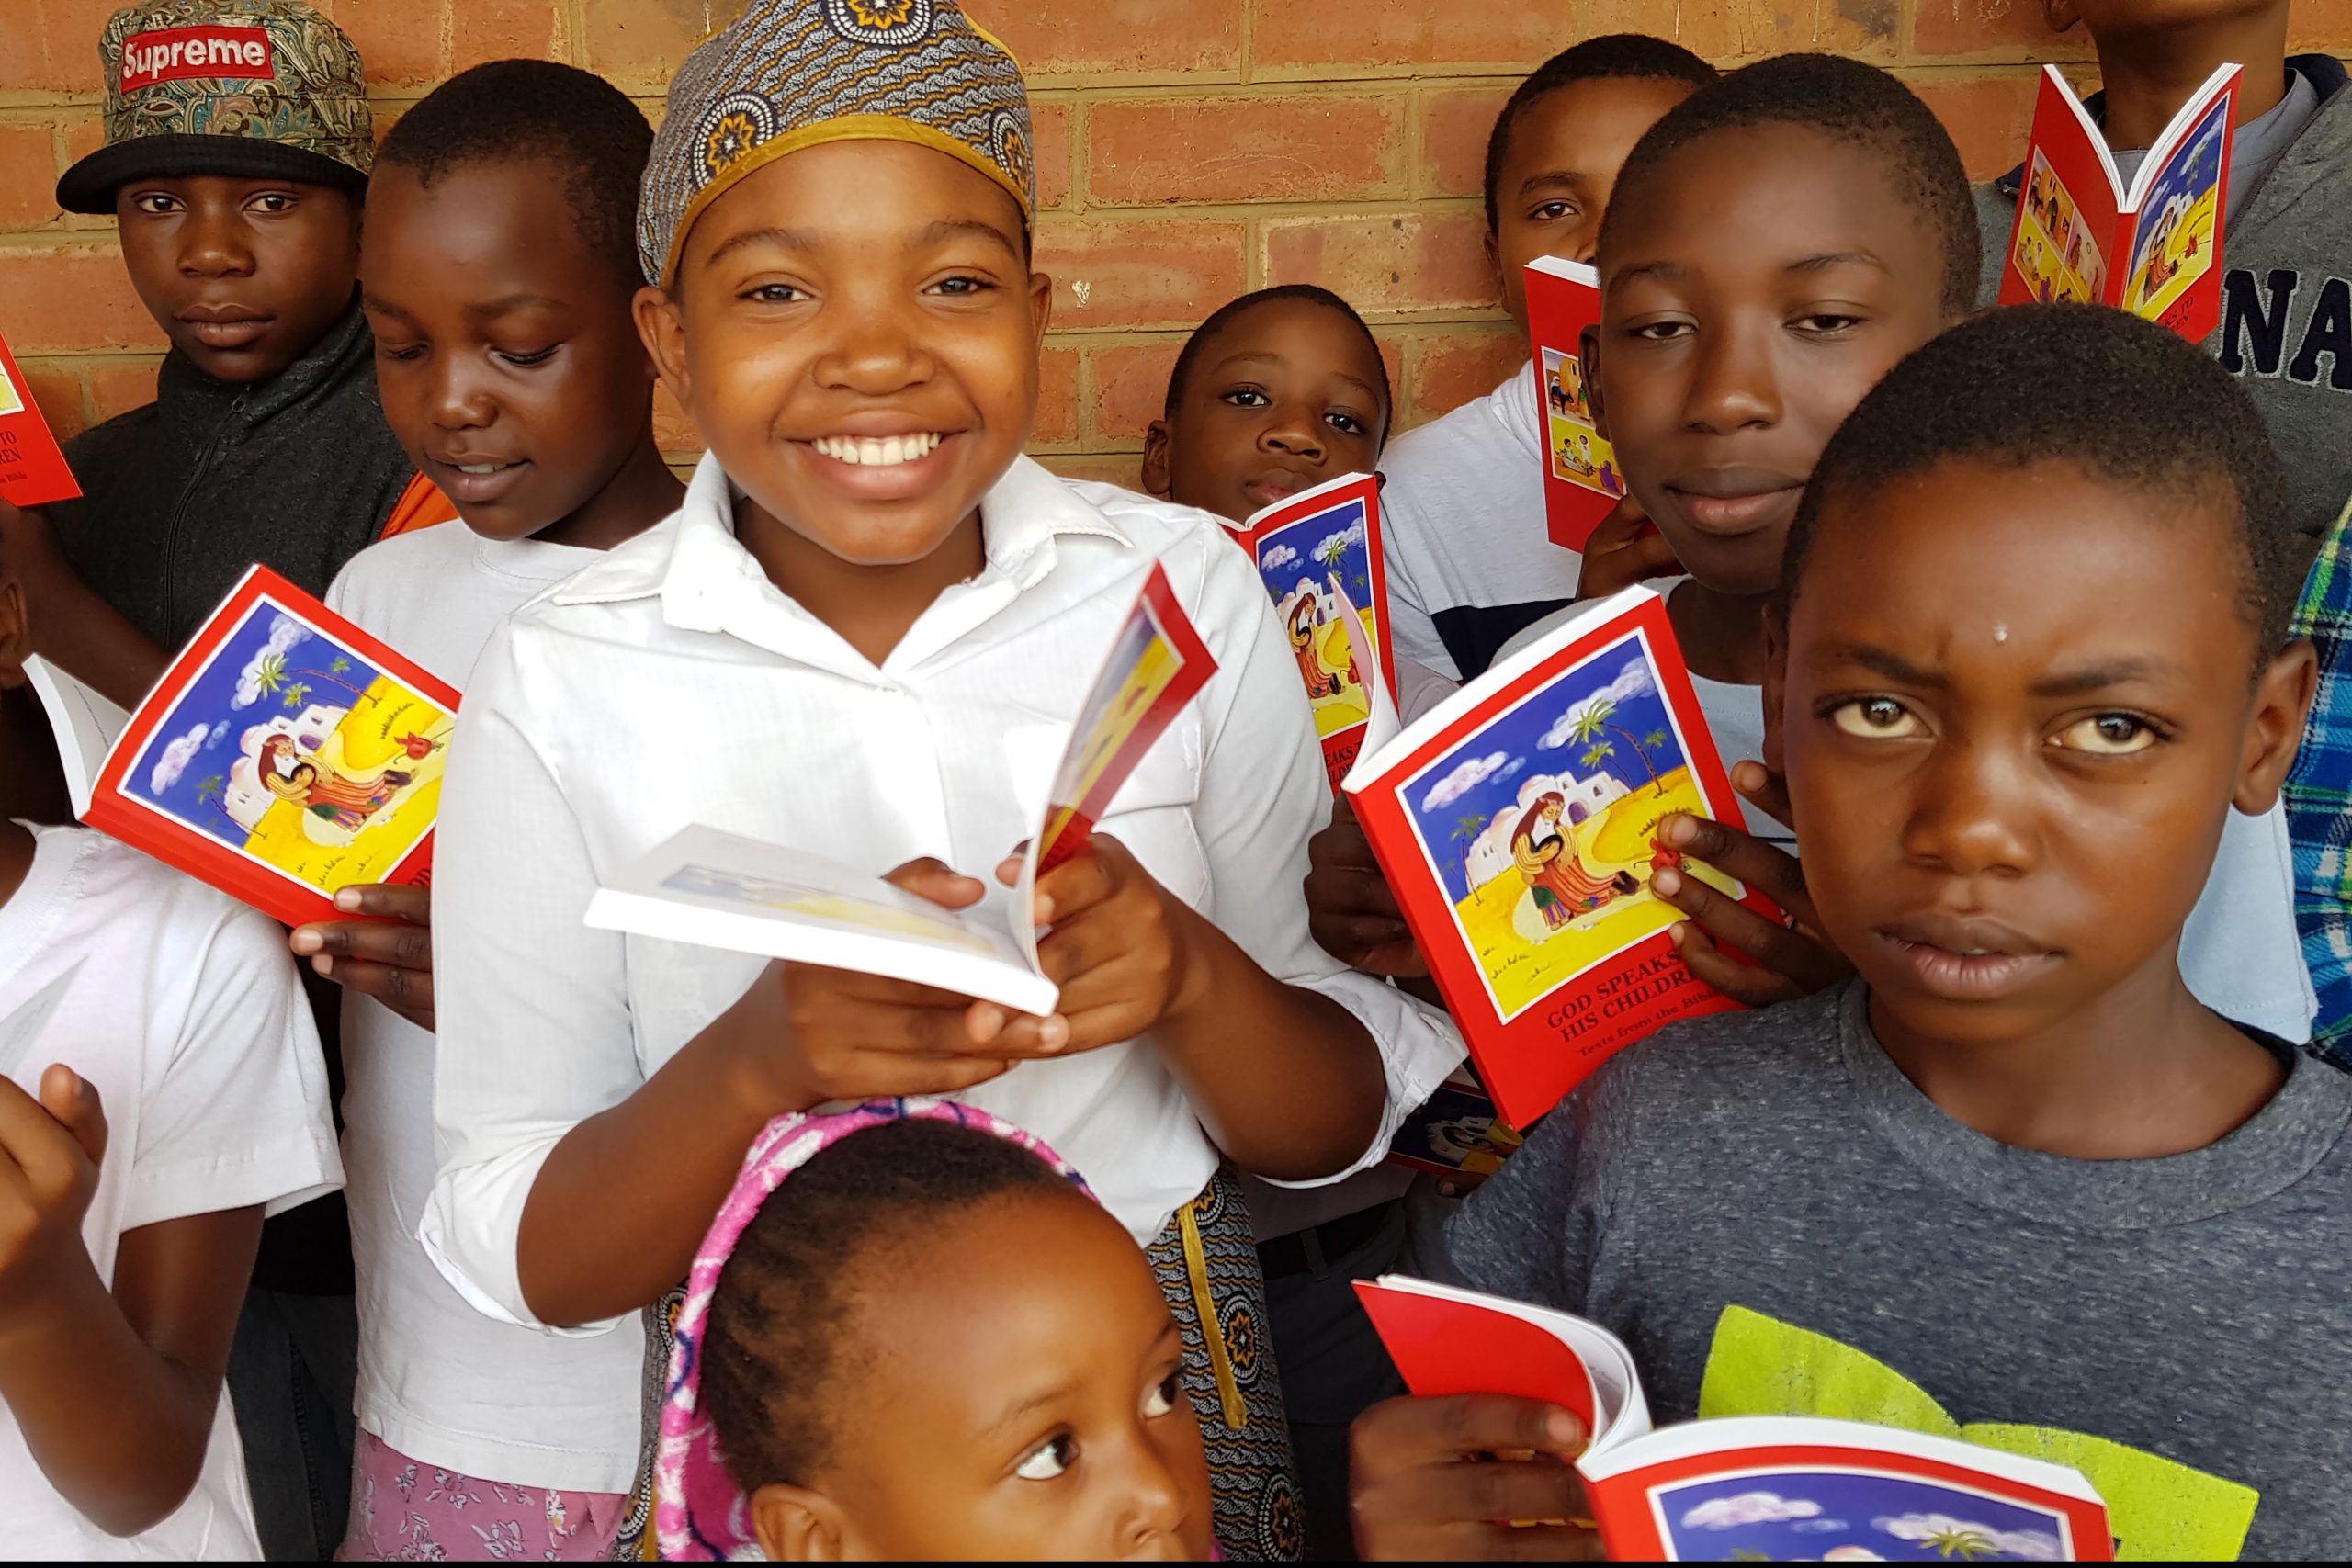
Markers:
point(1148, 273)
point(1453, 128)
point(1146, 152)
point(52, 46)
point(642, 43)
point(2010, 29)
point(72, 301)
point(674, 428)
point(1050, 120)
point(399, 40)
point(118, 388)
point(1989, 117)
point(1414, 262)
point(1126, 471)
point(1157, 40)
point(501, 29)
point(1295, 39)
point(1449, 371)
point(1128, 388)
point(28, 175)
point(1057, 397)
point(57, 392)
point(2320, 25)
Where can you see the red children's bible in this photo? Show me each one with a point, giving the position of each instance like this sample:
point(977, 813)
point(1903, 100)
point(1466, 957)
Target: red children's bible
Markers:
point(1581, 481)
point(1517, 823)
point(32, 468)
point(2151, 246)
point(285, 754)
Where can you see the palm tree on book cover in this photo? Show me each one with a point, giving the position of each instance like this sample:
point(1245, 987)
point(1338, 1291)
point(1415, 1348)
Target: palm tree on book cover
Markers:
point(1599, 715)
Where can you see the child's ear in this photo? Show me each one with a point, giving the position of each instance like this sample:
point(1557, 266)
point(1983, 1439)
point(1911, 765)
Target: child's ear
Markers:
point(1156, 477)
point(2282, 702)
point(2060, 15)
point(663, 332)
point(1588, 366)
point(1776, 685)
point(1493, 246)
point(795, 1525)
point(1041, 303)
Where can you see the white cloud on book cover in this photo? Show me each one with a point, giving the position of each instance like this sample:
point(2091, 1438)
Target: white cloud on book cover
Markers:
point(1748, 1508)
point(1467, 775)
point(176, 758)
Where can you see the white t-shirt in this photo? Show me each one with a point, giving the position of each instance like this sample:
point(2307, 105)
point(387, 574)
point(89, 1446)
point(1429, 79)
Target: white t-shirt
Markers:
point(182, 1008)
point(439, 1381)
point(1462, 519)
point(671, 683)
point(2240, 953)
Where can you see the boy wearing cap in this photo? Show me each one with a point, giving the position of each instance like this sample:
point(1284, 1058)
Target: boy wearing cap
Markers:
point(866, 635)
point(238, 145)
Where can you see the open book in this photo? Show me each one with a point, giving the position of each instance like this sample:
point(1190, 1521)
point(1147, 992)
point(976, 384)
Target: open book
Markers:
point(2153, 247)
point(1773, 1488)
point(284, 754)
point(1517, 824)
point(1316, 551)
point(1456, 1134)
point(85, 725)
point(1581, 481)
point(32, 468)
point(718, 889)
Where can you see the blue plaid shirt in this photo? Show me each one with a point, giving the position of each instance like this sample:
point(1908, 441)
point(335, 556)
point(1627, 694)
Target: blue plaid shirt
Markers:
point(2319, 796)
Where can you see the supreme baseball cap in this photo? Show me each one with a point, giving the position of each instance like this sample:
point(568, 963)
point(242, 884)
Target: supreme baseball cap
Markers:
point(268, 89)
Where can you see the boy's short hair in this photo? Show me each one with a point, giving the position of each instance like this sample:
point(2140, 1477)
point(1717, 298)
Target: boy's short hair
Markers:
point(2124, 400)
point(1850, 102)
point(1615, 56)
point(535, 110)
point(1188, 357)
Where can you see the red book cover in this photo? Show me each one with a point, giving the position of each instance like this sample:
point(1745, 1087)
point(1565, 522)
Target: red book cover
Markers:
point(2152, 246)
point(1773, 1488)
point(1447, 1340)
point(1581, 481)
point(32, 468)
point(1319, 554)
point(285, 754)
point(1516, 823)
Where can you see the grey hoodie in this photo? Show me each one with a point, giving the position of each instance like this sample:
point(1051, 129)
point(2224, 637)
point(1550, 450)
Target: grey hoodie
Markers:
point(2286, 328)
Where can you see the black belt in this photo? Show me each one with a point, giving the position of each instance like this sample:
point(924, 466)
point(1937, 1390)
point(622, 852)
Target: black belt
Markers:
point(1287, 1255)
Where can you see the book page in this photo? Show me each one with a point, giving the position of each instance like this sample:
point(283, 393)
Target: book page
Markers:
point(1318, 566)
point(2177, 240)
point(1581, 478)
point(86, 725)
point(2063, 244)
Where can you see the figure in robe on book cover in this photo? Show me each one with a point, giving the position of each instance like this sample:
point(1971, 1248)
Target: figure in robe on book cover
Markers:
point(1556, 880)
point(324, 790)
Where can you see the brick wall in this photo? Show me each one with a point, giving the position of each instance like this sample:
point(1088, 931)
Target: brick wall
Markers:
point(1187, 150)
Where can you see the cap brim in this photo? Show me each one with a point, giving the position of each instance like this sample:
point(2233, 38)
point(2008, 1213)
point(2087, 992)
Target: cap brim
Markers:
point(89, 185)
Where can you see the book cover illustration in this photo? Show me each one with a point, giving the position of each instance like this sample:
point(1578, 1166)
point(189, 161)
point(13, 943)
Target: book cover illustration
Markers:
point(1581, 481)
point(1319, 554)
point(2151, 246)
point(33, 471)
point(284, 755)
point(1456, 1134)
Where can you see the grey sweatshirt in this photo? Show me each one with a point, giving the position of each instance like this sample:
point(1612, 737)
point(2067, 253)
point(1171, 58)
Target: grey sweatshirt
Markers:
point(2286, 328)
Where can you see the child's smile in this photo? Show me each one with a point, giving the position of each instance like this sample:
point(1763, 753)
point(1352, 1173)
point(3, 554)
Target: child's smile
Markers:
point(1967, 958)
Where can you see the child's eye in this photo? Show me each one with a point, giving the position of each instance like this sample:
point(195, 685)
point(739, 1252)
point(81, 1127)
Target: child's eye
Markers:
point(1057, 1454)
point(402, 354)
point(2108, 735)
point(1660, 332)
point(1821, 323)
point(154, 202)
point(1346, 422)
point(1163, 1396)
point(1246, 398)
point(771, 293)
point(272, 201)
point(962, 286)
point(535, 356)
point(1876, 718)
point(1552, 211)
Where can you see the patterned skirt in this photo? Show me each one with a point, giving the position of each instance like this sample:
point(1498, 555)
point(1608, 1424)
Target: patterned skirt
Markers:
point(1206, 1262)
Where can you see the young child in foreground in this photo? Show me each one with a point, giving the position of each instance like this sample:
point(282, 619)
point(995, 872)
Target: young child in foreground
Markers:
point(931, 1344)
point(500, 267)
point(1469, 560)
point(160, 1089)
point(2027, 656)
point(866, 637)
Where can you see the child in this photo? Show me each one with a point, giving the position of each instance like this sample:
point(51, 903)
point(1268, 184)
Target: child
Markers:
point(866, 636)
point(1276, 392)
point(2013, 711)
point(1469, 561)
point(2284, 282)
point(160, 1090)
point(500, 266)
point(1018, 1388)
point(236, 192)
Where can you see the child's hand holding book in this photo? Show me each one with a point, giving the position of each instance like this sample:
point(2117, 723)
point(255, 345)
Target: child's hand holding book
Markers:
point(1427, 1482)
point(1350, 910)
point(1783, 961)
point(386, 954)
point(1124, 951)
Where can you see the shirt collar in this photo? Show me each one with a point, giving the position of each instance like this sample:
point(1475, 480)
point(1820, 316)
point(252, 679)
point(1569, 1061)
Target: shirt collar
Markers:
point(698, 569)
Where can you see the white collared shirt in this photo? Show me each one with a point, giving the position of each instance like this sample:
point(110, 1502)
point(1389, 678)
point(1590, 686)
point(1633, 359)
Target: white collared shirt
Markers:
point(671, 683)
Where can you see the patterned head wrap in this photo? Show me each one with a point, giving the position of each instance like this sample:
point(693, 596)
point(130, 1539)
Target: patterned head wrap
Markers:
point(793, 73)
point(699, 1514)
point(266, 89)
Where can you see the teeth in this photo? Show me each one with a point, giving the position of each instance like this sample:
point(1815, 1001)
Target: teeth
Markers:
point(479, 468)
point(879, 452)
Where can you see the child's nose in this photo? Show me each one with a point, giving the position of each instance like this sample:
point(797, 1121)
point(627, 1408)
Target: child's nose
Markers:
point(214, 245)
point(1296, 436)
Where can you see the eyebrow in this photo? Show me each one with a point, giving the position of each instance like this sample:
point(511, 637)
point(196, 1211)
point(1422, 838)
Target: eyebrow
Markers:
point(2123, 672)
point(1553, 176)
point(934, 232)
point(1828, 259)
point(941, 228)
point(1262, 356)
point(512, 302)
point(1014, 1415)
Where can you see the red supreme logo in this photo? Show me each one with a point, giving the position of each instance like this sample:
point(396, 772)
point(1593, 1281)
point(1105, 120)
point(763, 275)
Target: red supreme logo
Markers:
point(170, 54)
